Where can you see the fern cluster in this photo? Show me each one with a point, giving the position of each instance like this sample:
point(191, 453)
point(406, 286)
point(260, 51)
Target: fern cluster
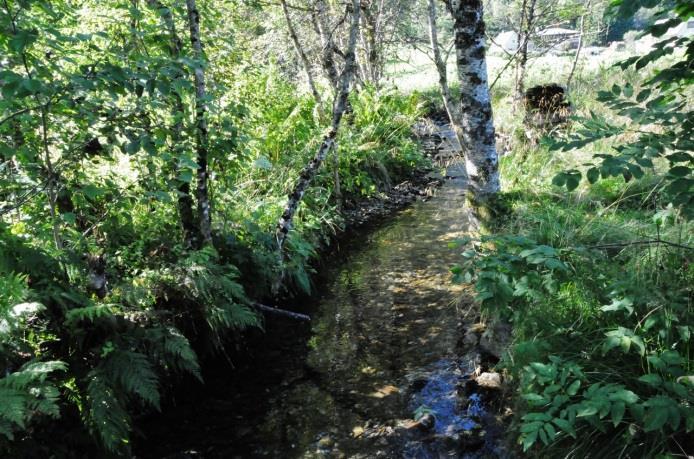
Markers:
point(106, 357)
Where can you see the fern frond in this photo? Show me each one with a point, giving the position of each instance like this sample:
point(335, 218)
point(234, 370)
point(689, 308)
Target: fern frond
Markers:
point(168, 345)
point(105, 417)
point(134, 373)
point(90, 313)
point(13, 406)
point(25, 394)
point(30, 373)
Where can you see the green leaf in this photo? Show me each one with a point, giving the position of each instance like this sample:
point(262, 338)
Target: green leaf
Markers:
point(672, 358)
point(186, 176)
point(587, 409)
point(621, 304)
point(657, 362)
point(22, 39)
point(680, 171)
point(617, 412)
point(529, 440)
point(655, 418)
point(643, 95)
point(572, 182)
point(565, 425)
point(593, 174)
point(651, 379)
point(573, 388)
point(624, 395)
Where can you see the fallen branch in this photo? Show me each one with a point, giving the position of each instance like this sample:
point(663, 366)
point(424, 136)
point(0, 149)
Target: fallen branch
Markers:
point(626, 244)
point(281, 312)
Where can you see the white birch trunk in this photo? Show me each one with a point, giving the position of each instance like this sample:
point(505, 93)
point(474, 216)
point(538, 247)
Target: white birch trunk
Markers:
point(580, 47)
point(328, 52)
point(479, 146)
point(339, 105)
point(302, 56)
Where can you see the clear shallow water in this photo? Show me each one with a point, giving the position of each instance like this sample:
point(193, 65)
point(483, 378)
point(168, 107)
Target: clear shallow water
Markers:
point(388, 312)
point(383, 339)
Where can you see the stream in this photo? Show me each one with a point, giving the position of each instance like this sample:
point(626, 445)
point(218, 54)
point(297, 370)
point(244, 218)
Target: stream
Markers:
point(382, 350)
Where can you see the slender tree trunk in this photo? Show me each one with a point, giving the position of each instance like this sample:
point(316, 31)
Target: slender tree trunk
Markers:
point(52, 177)
point(322, 24)
point(454, 114)
point(371, 48)
point(204, 218)
point(339, 105)
point(302, 56)
point(580, 47)
point(527, 22)
point(479, 146)
point(185, 200)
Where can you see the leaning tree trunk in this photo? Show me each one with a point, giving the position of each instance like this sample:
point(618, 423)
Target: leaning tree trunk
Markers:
point(201, 124)
point(302, 56)
point(339, 105)
point(454, 114)
point(185, 200)
point(322, 25)
point(479, 147)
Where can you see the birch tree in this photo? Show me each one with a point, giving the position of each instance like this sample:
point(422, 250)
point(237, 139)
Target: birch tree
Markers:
point(452, 109)
point(302, 55)
point(478, 141)
point(581, 39)
point(321, 23)
point(527, 22)
point(339, 105)
point(201, 129)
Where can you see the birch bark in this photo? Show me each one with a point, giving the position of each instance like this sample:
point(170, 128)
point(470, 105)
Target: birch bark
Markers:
point(322, 24)
point(479, 146)
point(339, 105)
point(302, 56)
point(202, 133)
point(454, 114)
point(526, 24)
point(580, 47)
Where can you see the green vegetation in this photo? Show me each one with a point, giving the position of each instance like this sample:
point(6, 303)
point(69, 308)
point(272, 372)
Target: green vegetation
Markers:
point(145, 165)
point(102, 301)
point(597, 283)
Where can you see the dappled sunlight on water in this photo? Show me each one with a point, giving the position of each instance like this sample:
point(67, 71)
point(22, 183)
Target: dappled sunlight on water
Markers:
point(389, 310)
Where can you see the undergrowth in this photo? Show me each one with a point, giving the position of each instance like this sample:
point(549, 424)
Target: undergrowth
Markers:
point(104, 357)
point(597, 281)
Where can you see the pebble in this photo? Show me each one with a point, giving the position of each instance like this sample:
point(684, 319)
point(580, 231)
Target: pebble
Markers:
point(489, 380)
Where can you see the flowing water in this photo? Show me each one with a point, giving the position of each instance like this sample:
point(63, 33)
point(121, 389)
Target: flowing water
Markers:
point(382, 349)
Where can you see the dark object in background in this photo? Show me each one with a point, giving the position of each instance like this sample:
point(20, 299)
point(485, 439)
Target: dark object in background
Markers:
point(96, 265)
point(545, 106)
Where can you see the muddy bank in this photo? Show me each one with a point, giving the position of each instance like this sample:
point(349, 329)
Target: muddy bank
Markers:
point(369, 211)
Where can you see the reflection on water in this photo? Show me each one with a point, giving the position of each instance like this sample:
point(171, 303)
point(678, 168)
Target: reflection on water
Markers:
point(388, 311)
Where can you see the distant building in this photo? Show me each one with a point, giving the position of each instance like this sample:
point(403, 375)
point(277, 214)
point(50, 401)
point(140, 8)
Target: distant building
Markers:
point(557, 38)
point(506, 41)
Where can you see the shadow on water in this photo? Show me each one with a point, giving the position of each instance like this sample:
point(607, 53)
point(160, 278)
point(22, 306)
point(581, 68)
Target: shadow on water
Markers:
point(386, 315)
